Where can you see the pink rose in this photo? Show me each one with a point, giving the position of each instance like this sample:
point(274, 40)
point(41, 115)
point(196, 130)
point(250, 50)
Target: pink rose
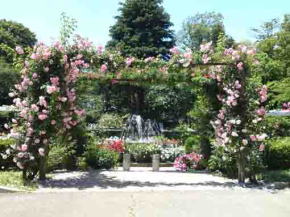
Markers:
point(261, 111)
point(46, 69)
point(262, 147)
point(34, 108)
point(19, 50)
point(51, 89)
point(245, 142)
point(54, 81)
point(129, 61)
point(24, 147)
point(53, 122)
point(104, 68)
point(19, 165)
point(174, 50)
point(42, 116)
point(253, 138)
point(240, 66)
point(41, 151)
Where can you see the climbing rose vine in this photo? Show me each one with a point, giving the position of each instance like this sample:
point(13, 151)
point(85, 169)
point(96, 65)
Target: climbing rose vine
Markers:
point(239, 123)
point(46, 99)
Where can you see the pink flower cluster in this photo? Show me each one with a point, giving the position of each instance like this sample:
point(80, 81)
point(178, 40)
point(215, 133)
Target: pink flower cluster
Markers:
point(286, 106)
point(232, 94)
point(174, 51)
point(46, 108)
point(206, 47)
point(263, 94)
point(41, 52)
point(82, 43)
point(129, 61)
point(187, 161)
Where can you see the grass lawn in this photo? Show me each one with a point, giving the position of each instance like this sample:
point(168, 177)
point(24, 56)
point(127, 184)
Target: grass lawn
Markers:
point(276, 176)
point(14, 179)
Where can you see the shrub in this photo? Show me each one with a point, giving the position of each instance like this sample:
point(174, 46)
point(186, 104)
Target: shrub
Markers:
point(61, 157)
point(278, 154)
point(226, 163)
point(117, 146)
point(277, 126)
point(142, 152)
point(111, 120)
point(191, 144)
point(187, 161)
point(169, 153)
point(223, 162)
point(106, 159)
point(99, 157)
point(6, 159)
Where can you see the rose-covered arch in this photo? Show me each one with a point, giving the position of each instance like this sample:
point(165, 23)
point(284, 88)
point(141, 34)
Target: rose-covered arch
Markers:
point(46, 97)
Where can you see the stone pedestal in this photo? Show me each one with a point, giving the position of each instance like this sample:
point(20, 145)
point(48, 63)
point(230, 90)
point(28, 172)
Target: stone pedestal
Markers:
point(126, 162)
point(155, 162)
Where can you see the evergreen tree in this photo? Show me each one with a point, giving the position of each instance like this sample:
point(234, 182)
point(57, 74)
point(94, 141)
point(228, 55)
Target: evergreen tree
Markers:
point(143, 29)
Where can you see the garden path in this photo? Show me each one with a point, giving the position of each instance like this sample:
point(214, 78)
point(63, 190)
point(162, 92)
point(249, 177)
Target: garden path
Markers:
point(137, 179)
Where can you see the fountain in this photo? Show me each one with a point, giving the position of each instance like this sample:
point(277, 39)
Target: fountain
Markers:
point(138, 130)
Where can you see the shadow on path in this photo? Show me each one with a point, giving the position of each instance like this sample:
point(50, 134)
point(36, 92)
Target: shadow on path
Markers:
point(96, 179)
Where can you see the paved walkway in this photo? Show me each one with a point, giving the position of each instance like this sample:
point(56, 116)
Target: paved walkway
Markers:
point(142, 193)
point(205, 203)
point(138, 179)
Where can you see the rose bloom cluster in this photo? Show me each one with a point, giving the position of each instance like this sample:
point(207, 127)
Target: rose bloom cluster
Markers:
point(45, 98)
point(187, 161)
point(228, 126)
point(286, 106)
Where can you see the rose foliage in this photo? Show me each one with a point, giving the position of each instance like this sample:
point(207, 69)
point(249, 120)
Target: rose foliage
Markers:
point(46, 96)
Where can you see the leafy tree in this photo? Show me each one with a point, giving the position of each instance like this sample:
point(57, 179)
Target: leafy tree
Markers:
point(267, 29)
point(8, 77)
point(274, 57)
point(13, 34)
point(143, 29)
point(275, 52)
point(168, 104)
point(203, 27)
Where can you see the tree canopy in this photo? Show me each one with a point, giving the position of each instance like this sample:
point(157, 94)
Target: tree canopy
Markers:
point(14, 34)
point(200, 28)
point(143, 29)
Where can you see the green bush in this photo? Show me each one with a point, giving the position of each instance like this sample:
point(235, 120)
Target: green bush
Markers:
point(106, 159)
point(61, 157)
point(278, 154)
point(111, 120)
point(6, 160)
point(226, 163)
point(191, 144)
point(142, 152)
point(277, 126)
point(223, 162)
point(98, 157)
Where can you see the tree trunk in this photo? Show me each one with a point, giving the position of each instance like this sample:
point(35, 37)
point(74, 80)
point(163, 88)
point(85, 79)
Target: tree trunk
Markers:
point(42, 168)
point(241, 163)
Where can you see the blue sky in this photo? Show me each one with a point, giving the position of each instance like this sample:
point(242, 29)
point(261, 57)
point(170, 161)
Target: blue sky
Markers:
point(96, 16)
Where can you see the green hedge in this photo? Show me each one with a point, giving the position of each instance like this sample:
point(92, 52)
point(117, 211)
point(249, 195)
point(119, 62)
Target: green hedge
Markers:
point(98, 157)
point(278, 153)
point(6, 163)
